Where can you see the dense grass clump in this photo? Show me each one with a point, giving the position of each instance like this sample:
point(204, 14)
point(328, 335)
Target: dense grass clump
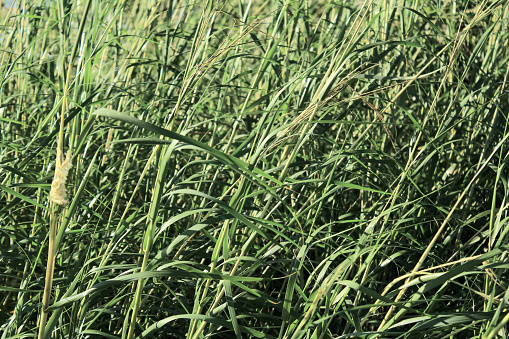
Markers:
point(251, 169)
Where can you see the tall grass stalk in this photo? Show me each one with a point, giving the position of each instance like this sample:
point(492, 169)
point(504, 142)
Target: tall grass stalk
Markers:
point(60, 198)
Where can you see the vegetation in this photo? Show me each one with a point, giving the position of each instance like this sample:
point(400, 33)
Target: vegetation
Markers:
point(254, 169)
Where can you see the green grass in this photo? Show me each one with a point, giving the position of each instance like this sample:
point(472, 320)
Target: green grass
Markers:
point(250, 169)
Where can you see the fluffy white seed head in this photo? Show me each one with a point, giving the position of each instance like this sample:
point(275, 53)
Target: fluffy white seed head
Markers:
point(58, 193)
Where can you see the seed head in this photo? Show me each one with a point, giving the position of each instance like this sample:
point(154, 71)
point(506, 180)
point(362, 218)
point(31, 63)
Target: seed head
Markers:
point(58, 193)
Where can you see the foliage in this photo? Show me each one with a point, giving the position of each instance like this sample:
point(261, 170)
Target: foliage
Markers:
point(248, 169)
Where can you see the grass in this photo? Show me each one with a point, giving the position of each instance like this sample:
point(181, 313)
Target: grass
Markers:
point(249, 169)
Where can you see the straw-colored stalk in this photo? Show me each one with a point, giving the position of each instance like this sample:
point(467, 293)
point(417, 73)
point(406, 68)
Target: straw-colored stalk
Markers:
point(58, 196)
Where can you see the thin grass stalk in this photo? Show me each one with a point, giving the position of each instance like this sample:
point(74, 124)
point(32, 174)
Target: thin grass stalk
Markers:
point(149, 238)
point(493, 333)
point(220, 295)
point(60, 165)
point(215, 256)
point(166, 153)
point(50, 267)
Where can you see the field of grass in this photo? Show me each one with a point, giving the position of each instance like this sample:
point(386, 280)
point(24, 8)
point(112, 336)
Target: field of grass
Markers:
point(254, 169)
